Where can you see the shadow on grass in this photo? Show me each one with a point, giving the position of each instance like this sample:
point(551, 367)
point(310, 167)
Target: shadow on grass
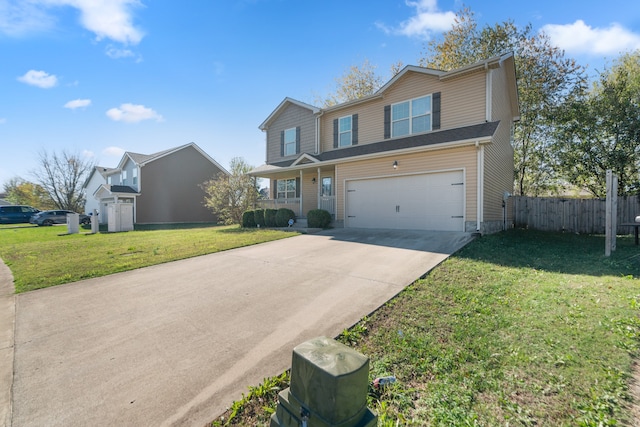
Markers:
point(557, 252)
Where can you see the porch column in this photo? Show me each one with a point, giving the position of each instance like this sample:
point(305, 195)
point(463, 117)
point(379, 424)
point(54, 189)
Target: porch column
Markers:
point(300, 201)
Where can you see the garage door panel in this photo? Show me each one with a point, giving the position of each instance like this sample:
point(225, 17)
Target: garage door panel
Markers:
point(428, 201)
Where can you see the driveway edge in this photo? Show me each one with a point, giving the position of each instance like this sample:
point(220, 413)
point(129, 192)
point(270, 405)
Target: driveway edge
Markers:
point(7, 335)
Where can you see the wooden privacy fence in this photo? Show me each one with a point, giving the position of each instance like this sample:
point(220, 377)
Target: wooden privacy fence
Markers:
point(571, 215)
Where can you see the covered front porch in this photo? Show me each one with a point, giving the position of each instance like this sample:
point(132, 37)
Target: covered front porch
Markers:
point(300, 190)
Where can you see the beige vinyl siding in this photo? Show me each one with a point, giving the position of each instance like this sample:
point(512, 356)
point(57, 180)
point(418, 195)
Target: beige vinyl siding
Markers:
point(462, 104)
point(464, 101)
point(498, 158)
point(293, 116)
point(309, 191)
point(432, 161)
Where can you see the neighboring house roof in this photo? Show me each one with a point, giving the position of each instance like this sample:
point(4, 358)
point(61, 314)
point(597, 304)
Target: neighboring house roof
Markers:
point(106, 190)
point(464, 135)
point(104, 171)
point(143, 159)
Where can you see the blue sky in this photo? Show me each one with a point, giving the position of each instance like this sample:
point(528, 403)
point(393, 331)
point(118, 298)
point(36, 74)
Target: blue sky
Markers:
point(100, 77)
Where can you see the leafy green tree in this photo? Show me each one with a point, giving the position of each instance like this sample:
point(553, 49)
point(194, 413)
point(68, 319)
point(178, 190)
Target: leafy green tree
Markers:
point(22, 192)
point(600, 130)
point(545, 79)
point(62, 175)
point(229, 196)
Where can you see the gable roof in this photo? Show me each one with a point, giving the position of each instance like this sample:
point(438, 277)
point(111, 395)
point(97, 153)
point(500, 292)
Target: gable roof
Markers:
point(102, 170)
point(282, 106)
point(144, 159)
point(506, 59)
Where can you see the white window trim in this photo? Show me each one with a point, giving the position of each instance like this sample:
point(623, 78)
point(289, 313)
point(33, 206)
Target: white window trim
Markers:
point(284, 193)
point(350, 131)
point(411, 116)
point(290, 143)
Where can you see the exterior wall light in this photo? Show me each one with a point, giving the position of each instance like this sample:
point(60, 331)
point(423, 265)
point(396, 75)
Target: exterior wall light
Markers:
point(313, 179)
point(395, 164)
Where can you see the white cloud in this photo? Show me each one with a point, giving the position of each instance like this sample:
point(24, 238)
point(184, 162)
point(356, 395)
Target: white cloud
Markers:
point(111, 19)
point(19, 17)
point(580, 38)
point(77, 103)
point(131, 113)
point(113, 151)
point(426, 20)
point(88, 154)
point(39, 79)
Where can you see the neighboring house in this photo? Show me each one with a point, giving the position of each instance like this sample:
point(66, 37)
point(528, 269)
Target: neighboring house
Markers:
point(429, 150)
point(3, 202)
point(163, 187)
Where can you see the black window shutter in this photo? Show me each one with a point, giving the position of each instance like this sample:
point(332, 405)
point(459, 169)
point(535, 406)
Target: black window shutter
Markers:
point(274, 188)
point(335, 133)
point(354, 129)
point(281, 143)
point(298, 140)
point(435, 109)
point(387, 121)
point(298, 187)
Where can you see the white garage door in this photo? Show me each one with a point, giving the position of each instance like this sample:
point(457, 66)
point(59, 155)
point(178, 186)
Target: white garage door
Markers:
point(432, 201)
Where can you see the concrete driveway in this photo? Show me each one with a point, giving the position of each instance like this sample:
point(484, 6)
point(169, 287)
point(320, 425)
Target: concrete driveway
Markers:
point(175, 344)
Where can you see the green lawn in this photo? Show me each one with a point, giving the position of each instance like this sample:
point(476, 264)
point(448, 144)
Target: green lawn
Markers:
point(519, 328)
point(40, 257)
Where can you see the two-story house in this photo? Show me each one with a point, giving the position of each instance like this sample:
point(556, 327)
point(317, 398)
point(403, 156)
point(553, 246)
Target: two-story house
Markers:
point(163, 187)
point(429, 150)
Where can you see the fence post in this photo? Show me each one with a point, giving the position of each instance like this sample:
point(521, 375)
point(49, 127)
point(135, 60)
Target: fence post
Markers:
point(611, 213)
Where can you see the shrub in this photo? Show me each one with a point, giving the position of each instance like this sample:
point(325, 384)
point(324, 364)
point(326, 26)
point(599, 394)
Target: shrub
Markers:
point(283, 216)
point(270, 217)
point(248, 220)
point(318, 218)
point(258, 216)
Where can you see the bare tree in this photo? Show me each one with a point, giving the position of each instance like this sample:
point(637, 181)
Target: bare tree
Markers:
point(62, 175)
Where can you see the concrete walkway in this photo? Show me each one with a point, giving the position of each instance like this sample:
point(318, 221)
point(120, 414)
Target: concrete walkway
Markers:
point(176, 343)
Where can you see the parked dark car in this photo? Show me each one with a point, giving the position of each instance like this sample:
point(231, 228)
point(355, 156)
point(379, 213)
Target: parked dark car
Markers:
point(14, 214)
point(56, 217)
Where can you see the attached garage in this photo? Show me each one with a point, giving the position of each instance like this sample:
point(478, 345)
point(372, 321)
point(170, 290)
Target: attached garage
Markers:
point(431, 201)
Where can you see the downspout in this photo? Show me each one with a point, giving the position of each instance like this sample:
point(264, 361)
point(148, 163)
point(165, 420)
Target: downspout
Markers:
point(318, 133)
point(480, 189)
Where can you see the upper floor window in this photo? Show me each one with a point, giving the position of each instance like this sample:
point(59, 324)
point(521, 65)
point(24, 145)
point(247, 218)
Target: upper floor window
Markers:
point(409, 117)
point(344, 131)
point(290, 142)
point(109, 180)
point(134, 176)
point(124, 177)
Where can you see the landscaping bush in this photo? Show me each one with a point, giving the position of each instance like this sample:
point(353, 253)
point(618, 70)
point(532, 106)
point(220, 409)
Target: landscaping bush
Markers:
point(283, 216)
point(318, 218)
point(258, 216)
point(270, 217)
point(248, 220)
